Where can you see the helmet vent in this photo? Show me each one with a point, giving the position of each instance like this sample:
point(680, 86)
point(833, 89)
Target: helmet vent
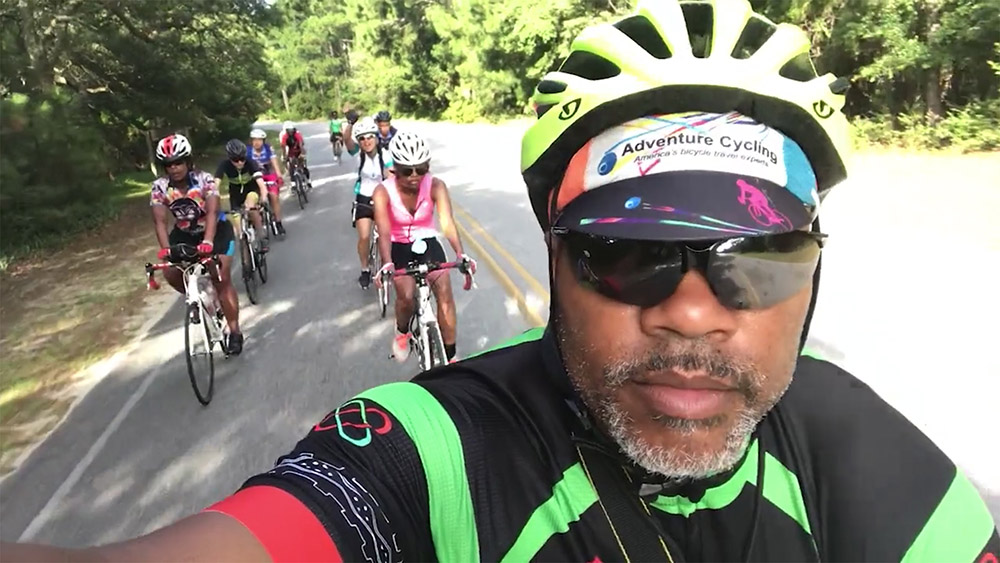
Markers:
point(551, 87)
point(590, 66)
point(700, 21)
point(799, 68)
point(642, 31)
point(755, 34)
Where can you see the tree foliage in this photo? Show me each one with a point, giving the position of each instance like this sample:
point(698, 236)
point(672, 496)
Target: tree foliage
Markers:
point(83, 82)
point(911, 64)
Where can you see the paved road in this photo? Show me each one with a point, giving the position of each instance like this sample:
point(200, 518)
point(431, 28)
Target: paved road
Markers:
point(139, 452)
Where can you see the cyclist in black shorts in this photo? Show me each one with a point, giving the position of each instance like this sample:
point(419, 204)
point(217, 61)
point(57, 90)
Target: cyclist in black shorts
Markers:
point(666, 413)
point(246, 185)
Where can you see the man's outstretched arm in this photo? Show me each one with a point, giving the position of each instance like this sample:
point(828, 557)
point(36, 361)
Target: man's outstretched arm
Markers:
point(207, 536)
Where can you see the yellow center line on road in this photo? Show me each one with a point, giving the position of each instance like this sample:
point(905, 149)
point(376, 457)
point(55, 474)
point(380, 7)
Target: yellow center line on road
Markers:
point(480, 230)
point(530, 315)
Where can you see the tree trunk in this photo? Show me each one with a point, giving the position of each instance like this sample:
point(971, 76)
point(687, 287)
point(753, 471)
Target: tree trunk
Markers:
point(933, 95)
point(152, 152)
point(284, 98)
point(41, 67)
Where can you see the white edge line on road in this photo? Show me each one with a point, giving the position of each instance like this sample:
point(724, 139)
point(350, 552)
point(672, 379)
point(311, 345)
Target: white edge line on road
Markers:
point(43, 516)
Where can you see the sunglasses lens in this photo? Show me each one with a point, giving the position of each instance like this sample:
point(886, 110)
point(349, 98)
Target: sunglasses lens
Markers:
point(744, 273)
point(635, 272)
point(760, 272)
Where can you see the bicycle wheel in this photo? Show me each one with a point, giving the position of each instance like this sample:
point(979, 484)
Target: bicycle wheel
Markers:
point(198, 346)
point(375, 265)
point(435, 348)
point(262, 267)
point(300, 191)
point(248, 270)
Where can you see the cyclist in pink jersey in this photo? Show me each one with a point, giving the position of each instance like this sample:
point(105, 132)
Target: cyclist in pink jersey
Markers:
point(404, 207)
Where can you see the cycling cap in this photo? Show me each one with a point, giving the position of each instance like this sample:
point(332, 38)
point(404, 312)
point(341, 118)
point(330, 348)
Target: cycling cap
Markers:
point(383, 116)
point(236, 149)
point(409, 149)
point(674, 56)
point(173, 148)
point(258, 134)
point(365, 126)
point(687, 176)
point(289, 125)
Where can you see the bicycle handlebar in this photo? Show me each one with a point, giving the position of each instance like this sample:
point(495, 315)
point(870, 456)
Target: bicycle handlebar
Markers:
point(151, 283)
point(424, 268)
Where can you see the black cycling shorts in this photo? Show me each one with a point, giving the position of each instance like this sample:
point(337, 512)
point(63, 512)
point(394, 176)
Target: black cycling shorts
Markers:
point(363, 208)
point(402, 255)
point(238, 194)
point(224, 243)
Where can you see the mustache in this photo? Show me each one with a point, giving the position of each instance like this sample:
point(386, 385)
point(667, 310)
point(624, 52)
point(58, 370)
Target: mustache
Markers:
point(697, 357)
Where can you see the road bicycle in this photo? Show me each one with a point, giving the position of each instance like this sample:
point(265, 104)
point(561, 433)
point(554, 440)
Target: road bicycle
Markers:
point(338, 146)
point(298, 181)
point(425, 333)
point(204, 321)
point(253, 261)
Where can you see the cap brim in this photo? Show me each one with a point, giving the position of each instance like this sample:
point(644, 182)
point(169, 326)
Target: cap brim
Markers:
point(686, 205)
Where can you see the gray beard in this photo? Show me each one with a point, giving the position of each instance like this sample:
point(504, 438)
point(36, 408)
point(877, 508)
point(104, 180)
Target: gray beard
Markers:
point(674, 464)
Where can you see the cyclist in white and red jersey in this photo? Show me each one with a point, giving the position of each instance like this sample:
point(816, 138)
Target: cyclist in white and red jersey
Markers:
point(404, 207)
point(294, 146)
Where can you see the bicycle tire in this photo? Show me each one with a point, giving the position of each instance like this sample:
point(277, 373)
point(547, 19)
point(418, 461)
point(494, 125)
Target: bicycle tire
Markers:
point(300, 192)
point(204, 397)
point(247, 270)
point(262, 267)
point(375, 265)
point(436, 345)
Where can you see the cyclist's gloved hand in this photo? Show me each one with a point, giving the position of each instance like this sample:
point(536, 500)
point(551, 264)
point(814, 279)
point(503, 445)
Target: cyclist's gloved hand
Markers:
point(162, 253)
point(205, 247)
point(468, 264)
point(352, 116)
point(385, 271)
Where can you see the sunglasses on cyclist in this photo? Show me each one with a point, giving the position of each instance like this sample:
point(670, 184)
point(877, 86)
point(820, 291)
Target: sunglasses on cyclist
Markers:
point(366, 137)
point(407, 171)
point(743, 272)
point(237, 160)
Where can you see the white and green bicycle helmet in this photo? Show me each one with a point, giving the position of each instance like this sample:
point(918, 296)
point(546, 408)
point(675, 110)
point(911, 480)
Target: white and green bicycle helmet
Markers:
point(680, 55)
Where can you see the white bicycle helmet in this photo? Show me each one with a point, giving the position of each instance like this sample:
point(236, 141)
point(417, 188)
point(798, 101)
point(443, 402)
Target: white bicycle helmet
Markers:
point(289, 125)
point(366, 126)
point(173, 148)
point(409, 149)
point(258, 134)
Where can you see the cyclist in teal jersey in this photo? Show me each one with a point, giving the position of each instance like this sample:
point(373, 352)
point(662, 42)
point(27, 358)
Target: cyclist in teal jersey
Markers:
point(665, 413)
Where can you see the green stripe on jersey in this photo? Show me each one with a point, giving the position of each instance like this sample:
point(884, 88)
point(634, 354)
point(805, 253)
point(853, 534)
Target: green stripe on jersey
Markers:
point(526, 336)
point(452, 519)
point(957, 530)
point(571, 497)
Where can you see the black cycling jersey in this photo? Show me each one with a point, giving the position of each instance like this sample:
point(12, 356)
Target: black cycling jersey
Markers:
point(494, 459)
point(239, 177)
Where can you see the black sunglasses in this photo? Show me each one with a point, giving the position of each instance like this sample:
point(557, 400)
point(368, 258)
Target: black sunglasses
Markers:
point(743, 272)
point(407, 171)
point(235, 160)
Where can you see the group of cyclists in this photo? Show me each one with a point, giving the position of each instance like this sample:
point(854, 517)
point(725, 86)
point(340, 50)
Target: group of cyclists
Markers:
point(394, 192)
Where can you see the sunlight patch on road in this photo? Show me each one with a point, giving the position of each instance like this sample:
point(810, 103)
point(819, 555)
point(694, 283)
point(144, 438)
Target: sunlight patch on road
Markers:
point(362, 342)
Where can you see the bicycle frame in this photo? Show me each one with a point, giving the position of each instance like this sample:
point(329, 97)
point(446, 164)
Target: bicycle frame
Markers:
point(246, 231)
point(192, 296)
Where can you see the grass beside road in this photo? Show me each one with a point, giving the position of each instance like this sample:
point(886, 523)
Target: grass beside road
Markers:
point(68, 304)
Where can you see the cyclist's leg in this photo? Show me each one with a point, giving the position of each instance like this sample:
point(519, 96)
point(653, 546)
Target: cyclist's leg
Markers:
point(225, 247)
point(272, 195)
point(364, 226)
point(174, 276)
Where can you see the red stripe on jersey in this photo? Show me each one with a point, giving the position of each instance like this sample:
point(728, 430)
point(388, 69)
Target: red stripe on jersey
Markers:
point(281, 523)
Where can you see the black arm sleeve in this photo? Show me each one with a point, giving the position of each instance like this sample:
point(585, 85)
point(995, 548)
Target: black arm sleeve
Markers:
point(358, 471)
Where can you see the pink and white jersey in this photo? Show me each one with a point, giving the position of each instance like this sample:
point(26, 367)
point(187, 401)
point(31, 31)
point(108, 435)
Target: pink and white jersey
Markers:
point(408, 227)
